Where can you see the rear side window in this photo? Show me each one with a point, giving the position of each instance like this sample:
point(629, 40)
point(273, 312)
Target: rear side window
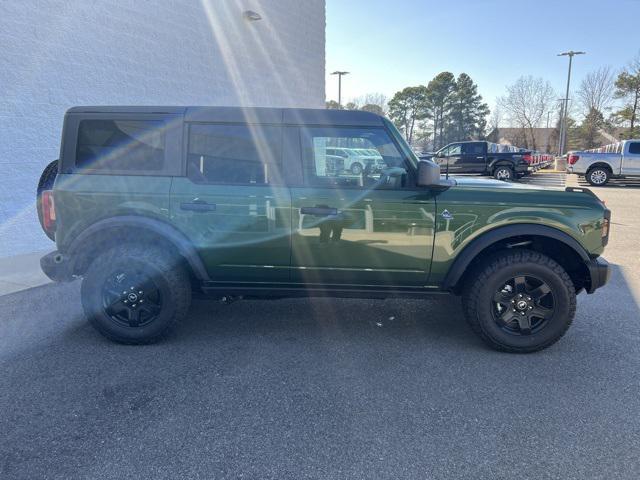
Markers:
point(235, 154)
point(121, 145)
point(634, 148)
point(472, 149)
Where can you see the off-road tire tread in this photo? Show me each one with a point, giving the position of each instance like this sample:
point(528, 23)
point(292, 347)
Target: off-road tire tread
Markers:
point(480, 275)
point(174, 273)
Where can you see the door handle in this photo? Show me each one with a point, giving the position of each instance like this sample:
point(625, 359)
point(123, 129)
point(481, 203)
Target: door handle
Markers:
point(319, 211)
point(198, 205)
point(480, 158)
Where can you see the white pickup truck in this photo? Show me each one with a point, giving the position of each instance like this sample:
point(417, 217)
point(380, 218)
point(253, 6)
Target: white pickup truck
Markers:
point(617, 160)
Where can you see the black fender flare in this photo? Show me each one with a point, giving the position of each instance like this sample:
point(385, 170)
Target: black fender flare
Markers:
point(182, 244)
point(497, 162)
point(471, 251)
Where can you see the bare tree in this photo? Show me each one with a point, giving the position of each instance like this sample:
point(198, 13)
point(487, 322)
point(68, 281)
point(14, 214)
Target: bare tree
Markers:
point(596, 90)
point(526, 104)
point(494, 124)
point(371, 101)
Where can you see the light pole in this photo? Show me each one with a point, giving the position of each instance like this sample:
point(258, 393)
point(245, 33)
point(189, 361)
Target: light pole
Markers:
point(340, 74)
point(562, 102)
point(563, 131)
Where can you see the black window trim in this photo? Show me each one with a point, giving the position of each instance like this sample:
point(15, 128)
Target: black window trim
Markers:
point(171, 141)
point(185, 153)
point(634, 144)
point(411, 174)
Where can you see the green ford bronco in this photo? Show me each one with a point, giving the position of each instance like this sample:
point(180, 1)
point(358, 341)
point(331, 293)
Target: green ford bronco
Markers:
point(149, 205)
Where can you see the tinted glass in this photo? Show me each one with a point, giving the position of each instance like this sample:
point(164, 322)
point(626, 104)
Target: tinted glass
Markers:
point(351, 157)
point(235, 154)
point(454, 150)
point(117, 145)
point(472, 148)
point(634, 147)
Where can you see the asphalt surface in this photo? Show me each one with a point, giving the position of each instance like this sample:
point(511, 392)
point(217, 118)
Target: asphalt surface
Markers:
point(325, 389)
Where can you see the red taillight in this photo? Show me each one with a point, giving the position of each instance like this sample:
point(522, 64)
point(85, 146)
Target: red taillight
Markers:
point(573, 159)
point(528, 158)
point(48, 211)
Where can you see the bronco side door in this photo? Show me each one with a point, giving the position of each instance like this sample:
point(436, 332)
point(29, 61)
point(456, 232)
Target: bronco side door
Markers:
point(232, 203)
point(369, 229)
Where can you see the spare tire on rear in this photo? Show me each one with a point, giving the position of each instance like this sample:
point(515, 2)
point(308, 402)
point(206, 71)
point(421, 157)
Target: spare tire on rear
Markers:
point(45, 183)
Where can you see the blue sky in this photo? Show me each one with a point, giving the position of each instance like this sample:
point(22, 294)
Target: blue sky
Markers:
point(391, 44)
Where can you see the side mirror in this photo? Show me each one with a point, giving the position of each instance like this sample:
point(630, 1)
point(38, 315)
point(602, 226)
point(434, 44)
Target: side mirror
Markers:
point(440, 155)
point(428, 174)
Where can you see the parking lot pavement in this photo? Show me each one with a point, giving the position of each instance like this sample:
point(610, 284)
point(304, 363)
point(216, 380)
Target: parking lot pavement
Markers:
point(325, 389)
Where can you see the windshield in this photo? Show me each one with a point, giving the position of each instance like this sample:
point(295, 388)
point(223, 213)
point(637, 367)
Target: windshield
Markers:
point(406, 149)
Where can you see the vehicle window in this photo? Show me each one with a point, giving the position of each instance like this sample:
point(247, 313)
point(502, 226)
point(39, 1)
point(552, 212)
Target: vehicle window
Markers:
point(472, 149)
point(356, 167)
point(634, 148)
point(235, 154)
point(454, 150)
point(116, 145)
point(443, 151)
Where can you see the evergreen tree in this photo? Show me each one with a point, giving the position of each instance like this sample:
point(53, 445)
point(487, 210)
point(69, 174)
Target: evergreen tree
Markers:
point(628, 88)
point(589, 130)
point(408, 107)
point(440, 95)
point(468, 112)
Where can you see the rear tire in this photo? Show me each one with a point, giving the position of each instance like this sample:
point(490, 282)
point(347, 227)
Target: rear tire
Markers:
point(356, 169)
point(519, 301)
point(46, 183)
point(502, 172)
point(135, 294)
point(598, 176)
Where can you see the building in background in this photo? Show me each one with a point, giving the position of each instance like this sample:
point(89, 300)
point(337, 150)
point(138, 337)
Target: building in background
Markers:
point(56, 54)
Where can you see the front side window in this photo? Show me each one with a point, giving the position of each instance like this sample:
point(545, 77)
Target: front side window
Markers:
point(345, 157)
point(234, 154)
point(455, 149)
point(121, 145)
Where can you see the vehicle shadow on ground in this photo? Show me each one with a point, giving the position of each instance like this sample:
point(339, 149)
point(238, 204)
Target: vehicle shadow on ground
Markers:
point(248, 376)
point(437, 322)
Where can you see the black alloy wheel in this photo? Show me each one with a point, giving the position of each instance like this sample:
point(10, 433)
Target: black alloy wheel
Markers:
point(131, 299)
point(523, 305)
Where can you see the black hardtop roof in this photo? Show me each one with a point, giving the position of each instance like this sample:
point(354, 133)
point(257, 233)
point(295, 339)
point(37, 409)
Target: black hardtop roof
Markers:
point(292, 116)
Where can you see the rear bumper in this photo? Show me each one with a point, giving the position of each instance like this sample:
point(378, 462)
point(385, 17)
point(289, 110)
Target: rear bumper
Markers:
point(522, 168)
point(57, 267)
point(599, 272)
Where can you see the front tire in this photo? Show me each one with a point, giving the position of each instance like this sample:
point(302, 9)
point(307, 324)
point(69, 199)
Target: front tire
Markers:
point(503, 172)
point(135, 294)
point(521, 301)
point(598, 176)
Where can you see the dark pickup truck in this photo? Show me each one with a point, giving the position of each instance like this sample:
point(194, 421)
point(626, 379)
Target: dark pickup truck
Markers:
point(482, 158)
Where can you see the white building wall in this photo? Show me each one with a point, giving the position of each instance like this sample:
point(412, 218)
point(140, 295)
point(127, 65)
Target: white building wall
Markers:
point(60, 53)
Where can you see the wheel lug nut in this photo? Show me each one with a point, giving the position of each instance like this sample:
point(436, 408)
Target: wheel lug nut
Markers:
point(140, 292)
